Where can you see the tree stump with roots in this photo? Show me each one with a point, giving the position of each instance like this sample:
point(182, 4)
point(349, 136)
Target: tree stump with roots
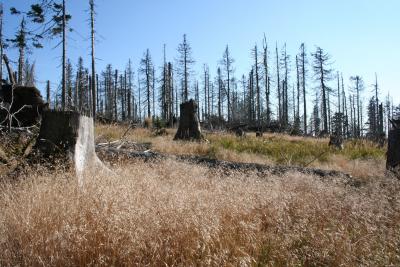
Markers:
point(189, 126)
point(393, 152)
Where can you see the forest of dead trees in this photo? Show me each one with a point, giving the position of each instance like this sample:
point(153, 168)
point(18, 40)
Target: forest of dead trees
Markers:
point(297, 93)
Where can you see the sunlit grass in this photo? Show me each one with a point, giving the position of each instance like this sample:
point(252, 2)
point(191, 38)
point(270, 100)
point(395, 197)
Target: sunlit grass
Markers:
point(177, 214)
point(277, 149)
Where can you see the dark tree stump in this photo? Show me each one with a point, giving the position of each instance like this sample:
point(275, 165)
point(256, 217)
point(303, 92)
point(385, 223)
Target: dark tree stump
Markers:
point(189, 126)
point(336, 141)
point(393, 152)
point(240, 133)
point(67, 137)
point(58, 132)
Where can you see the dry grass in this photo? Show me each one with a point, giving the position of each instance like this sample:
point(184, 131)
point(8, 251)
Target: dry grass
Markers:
point(359, 158)
point(175, 214)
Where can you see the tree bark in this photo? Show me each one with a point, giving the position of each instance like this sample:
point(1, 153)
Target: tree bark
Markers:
point(58, 132)
point(393, 152)
point(189, 126)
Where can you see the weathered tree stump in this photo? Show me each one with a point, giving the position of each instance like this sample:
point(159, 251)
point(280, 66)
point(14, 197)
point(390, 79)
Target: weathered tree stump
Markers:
point(58, 133)
point(336, 141)
point(393, 152)
point(189, 126)
point(69, 136)
point(240, 133)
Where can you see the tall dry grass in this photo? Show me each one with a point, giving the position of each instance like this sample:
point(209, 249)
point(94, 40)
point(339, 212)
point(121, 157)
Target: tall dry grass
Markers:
point(176, 214)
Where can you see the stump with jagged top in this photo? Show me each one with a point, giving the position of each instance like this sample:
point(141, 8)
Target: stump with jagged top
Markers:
point(189, 126)
point(58, 132)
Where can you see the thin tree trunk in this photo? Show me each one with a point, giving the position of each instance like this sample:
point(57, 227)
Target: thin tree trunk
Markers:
point(267, 82)
point(257, 87)
point(115, 95)
point(303, 70)
point(94, 88)
point(48, 92)
point(64, 66)
point(279, 86)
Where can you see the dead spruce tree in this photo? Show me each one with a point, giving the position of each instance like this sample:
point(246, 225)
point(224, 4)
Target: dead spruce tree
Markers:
point(185, 62)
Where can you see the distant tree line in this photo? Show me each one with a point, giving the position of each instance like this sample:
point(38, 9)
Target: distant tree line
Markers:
point(299, 94)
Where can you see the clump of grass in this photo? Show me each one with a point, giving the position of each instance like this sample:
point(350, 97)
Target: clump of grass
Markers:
point(277, 148)
point(172, 213)
point(362, 149)
point(298, 151)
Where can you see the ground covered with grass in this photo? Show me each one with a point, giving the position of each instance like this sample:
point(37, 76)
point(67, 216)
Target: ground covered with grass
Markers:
point(358, 158)
point(171, 213)
point(177, 214)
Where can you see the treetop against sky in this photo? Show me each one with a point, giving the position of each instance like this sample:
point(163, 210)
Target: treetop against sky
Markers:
point(361, 36)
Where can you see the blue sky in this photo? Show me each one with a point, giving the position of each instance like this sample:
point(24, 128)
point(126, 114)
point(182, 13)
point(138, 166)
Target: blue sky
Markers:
point(362, 36)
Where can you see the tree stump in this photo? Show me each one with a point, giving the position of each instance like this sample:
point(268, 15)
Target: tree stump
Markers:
point(393, 152)
point(58, 133)
point(69, 136)
point(240, 133)
point(189, 126)
point(336, 141)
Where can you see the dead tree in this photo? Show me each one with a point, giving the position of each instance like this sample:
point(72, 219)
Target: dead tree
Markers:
point(322, 70)
point(185, 62)
point(93, 85)
point(227, 62)
point(189, 126)
point(266, 80)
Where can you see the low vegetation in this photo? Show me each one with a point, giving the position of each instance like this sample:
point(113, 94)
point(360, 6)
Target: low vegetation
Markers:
point(163, 214)
point(278, 149)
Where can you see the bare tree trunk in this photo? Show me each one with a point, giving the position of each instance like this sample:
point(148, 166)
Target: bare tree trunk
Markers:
point(48, 92)
point(115, 96)
point(219, 94)
point(257, 86)
point(64, 66)
point(278, 82)
point(9, 69)
point(303, 72)
point(153, 91)
point(94, 87)
point(298, 89)
point(267, 82)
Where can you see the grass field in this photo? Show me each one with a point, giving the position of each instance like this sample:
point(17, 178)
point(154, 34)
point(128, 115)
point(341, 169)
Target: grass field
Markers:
point(169, 213)
point(175, 214)
point(360, 158)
